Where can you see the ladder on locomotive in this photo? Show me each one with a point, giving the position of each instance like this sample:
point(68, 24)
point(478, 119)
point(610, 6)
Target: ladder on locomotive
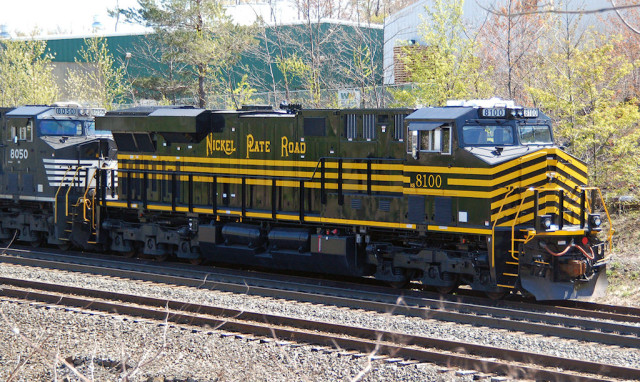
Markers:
point(507, 272)
point(82, 210)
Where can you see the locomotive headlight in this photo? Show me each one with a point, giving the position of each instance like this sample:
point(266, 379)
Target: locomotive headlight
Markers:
point(545, 222)
point(595, 221)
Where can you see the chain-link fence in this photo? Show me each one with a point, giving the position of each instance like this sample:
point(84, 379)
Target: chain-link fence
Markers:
point(371, 97)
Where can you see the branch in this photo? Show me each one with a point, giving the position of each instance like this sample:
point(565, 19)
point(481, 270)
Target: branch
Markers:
point(556, 11)
point(624, 21)
point(36, 347)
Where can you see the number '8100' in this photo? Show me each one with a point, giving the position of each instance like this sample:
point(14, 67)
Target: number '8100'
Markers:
point(428, 181)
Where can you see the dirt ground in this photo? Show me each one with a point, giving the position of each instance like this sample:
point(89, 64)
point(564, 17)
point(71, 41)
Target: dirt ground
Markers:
point(624, 270)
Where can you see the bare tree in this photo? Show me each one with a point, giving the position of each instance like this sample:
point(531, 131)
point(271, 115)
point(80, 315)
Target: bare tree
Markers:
point(510, 45)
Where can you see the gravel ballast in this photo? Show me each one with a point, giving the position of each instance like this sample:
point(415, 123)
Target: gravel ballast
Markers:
point(198, 353)
point(98, 345)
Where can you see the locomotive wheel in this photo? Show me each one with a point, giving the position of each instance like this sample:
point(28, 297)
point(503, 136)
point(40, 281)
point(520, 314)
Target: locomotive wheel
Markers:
point(134, 250)
point(161, 258)
point(128, 254)
point(447, 289)
point(497, 295)
point(65, 246)
point(399, 284)
point(12, 236)
point(37, 242)
point(196, 261)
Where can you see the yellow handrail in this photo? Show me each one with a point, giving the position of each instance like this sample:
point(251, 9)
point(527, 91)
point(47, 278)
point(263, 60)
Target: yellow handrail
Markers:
point(55, 203)
point(493, 228)
point(513, 226)
point(69, 190)
point(606, 211)
point(93, 199)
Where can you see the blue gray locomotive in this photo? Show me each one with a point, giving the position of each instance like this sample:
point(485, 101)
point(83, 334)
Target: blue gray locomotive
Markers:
point(50, 155)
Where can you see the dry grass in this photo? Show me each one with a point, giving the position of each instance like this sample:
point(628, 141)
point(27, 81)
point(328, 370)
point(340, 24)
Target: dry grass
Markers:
point(624, 270)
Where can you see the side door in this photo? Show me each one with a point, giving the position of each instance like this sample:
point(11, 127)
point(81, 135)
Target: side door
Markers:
point(18, 158)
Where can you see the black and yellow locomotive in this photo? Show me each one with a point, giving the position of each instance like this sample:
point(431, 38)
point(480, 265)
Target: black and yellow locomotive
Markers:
point(475, 194)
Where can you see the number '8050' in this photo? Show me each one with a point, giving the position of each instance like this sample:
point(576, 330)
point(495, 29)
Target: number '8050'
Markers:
point(19, 154)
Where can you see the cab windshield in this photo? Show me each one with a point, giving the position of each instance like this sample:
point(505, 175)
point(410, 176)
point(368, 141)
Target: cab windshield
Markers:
point(482, 135)
point(60, 127)
point(91, 129)
point(535, 134)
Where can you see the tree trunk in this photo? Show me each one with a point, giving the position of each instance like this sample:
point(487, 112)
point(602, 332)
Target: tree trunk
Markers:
point(201, 93)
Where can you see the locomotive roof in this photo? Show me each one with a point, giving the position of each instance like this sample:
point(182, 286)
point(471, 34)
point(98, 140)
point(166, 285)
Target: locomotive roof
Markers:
point(165, 119)
point(28, 111)
point(188, 111)
point(452, 113)
point(439, 113)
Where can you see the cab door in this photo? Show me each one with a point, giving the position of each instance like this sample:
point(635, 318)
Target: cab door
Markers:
point(18, 158)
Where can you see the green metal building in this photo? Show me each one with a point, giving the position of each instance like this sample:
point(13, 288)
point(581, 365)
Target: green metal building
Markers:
point(346, 56)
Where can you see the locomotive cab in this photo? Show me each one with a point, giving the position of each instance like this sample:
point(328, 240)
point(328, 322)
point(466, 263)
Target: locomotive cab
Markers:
point(519, 202)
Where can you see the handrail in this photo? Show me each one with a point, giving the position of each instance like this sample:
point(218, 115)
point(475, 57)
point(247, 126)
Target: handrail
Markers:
point(515, 221)
point(315, 170)
point(69, 190)
point(493, 228)
point(55, 203)
point(606, 211)
point(84, 198)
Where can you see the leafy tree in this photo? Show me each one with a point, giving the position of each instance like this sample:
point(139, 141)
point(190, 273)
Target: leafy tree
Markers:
point(294, 67)
point(155, 73)
point(359, 67)
point(26, 74)
point(199, 33)
point(580, 91)
point(241, 93)
point(99, 80)
point(623, 22)
point(444, 67)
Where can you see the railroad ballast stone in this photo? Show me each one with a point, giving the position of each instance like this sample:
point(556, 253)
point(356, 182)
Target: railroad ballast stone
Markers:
point(98, 346)
point(410, 325)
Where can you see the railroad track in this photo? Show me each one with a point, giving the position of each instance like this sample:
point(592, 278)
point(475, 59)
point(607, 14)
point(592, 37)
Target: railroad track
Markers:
point(615, 326)
point(512, 363)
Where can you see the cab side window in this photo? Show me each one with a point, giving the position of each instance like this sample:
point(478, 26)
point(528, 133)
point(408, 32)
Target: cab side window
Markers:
point(436, 140)
point(20, 129)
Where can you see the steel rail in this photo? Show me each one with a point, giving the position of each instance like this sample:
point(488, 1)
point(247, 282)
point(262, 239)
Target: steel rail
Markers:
point(513, 363)
point(494, 317)
point(162, 273)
